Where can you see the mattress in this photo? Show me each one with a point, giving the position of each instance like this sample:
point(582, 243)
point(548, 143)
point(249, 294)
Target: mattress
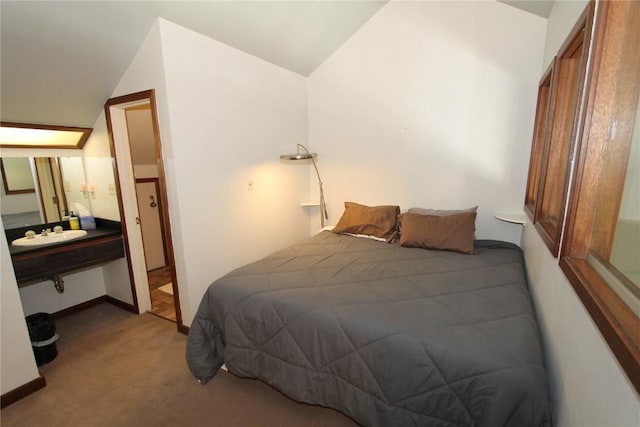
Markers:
point(387, 335)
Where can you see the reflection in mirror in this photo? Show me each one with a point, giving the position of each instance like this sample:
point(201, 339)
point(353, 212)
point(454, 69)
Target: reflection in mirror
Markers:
point(74, 179)
point(16, 176)
point(58, 183)
point(104, 197)
point(625, 253)
point(52, 197)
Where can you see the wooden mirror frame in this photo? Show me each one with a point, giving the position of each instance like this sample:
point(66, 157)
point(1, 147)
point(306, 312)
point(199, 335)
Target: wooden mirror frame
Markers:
point(601, 163)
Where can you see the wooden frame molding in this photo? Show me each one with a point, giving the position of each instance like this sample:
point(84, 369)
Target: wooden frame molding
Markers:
point(127, 102)
point(587, 131)
point(123, 305)
point(601, 163)
point(544, 110)
point(619, 326)
point(562, 121)
point(92, 303)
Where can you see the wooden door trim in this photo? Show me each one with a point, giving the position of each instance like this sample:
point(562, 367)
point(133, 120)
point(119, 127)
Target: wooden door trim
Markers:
point(150, 96)
point(113, 102)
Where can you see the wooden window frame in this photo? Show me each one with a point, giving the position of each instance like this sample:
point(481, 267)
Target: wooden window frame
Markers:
point(596, 190)
point(561, 130)
point(544, 110)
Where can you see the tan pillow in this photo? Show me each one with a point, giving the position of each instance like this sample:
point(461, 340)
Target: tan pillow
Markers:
point(441, 212)
point(378, 221)
point(450, 232)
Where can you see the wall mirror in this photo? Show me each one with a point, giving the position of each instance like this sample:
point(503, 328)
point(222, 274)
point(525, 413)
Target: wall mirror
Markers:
point(625, 252)
point(58, 183)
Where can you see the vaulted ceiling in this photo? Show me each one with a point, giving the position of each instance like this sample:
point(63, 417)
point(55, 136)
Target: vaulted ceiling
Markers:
point(61, 60)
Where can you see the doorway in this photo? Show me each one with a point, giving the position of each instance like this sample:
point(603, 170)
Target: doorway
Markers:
point(141, 187)
point(155, 250)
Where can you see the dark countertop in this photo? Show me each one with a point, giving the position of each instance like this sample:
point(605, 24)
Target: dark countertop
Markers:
point(104, 228)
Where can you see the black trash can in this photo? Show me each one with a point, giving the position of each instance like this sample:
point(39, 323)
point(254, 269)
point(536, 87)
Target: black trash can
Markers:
point(42, 332)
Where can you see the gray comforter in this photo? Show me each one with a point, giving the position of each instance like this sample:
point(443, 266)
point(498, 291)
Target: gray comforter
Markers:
point(385, 334)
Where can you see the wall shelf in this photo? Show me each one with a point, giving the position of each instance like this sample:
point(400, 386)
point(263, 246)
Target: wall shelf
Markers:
point(308, 203)
point(512, 218)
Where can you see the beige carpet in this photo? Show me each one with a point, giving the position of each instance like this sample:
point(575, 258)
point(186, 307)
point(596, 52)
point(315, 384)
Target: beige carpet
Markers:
point(118, 369)
point(168, 288)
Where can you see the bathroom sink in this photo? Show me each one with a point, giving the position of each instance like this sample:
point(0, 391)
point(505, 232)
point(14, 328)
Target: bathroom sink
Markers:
point(40, 240)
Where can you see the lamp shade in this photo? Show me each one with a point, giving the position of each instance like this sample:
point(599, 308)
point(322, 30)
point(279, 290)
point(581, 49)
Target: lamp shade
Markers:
point(304, 154)
point(298, 156)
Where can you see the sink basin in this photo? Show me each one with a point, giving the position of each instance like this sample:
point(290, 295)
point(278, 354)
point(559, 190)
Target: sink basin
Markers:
point(40, 240)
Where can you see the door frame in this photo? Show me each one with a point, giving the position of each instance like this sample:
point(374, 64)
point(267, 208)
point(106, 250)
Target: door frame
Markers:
point(128, 204)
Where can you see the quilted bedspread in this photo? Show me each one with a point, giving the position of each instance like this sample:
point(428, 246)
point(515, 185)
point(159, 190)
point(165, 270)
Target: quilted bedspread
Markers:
point(385, 334)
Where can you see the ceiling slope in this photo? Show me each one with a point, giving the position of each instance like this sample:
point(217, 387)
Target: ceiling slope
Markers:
point(61, 60)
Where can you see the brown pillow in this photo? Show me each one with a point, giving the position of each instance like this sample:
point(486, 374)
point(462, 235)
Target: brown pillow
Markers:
point(450, 232)
point(378, 221)
point(441, 212)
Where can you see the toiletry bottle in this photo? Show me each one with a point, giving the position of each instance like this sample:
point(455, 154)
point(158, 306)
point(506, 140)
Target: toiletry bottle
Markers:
point(74, 222)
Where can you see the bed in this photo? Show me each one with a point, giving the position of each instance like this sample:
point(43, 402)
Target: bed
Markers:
point(386, 334)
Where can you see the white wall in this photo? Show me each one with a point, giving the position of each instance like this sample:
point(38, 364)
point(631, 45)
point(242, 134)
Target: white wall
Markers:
point(17, 363)
point(145, 171)
point(117, 283)
point(588, 386)
point(430, 104)
point(78, 287)
point(232, 115)
point(140, 127)
point(224, 117)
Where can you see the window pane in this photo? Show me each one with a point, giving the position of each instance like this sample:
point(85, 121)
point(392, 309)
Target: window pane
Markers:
point(625, 253)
